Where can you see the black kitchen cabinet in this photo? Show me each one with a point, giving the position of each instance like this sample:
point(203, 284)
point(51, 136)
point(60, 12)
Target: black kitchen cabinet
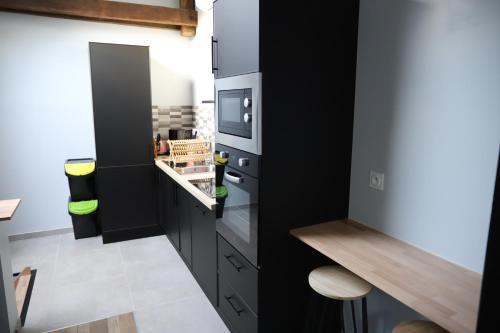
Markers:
point(126, 184)
point(167, 208)
point(172, 217)
point(308, 66)
point(168, 211)
point(183, 215)
point(121, 96)
point(127, 202)
point(235, 45)
point(162, 199)
point(190, 226)
point(204, 246)
point(175, 214)
point(241, 319)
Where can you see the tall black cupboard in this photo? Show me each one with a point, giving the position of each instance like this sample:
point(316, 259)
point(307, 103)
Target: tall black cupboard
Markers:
point(126, 178)
point(307, 60)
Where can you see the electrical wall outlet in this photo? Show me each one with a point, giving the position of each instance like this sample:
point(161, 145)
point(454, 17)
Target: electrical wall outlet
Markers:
point(377, 180)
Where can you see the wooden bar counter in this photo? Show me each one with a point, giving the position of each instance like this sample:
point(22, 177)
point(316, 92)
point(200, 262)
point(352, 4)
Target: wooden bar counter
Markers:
point(8, 208)
point(438, 289)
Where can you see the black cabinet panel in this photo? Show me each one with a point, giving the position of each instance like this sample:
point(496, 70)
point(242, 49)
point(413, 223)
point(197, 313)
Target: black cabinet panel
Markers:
point(238, 273)
point(172, 214)
point(127, 198)
point(162, 198)
point(183, 214)
point(236, 36)
point(121, 95)
point(204, 246)
point(235, 310)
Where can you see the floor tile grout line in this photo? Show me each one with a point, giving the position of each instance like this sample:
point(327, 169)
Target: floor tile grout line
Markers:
point(54, 270)
point(172, 302)
point(127, 281)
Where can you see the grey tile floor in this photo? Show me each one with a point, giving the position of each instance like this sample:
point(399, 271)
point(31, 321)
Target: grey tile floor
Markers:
point(83, 280)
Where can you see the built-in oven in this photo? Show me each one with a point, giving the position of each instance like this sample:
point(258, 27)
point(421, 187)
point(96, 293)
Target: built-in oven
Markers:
point(238, 223)
point(238, 112)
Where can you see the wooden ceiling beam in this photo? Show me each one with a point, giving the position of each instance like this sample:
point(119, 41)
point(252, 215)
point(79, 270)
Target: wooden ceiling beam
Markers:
point(185, 30)
point(110, 11)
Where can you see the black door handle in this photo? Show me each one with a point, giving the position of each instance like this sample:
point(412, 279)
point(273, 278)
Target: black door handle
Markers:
point(235, 308)
point(214, 67)
point(233, 262)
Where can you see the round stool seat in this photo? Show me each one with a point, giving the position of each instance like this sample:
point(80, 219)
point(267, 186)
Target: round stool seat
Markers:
point(338, 283)
point(418, 326)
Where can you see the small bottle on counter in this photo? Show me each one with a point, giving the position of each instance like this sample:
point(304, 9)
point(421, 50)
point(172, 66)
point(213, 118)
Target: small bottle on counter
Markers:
point(155, 152)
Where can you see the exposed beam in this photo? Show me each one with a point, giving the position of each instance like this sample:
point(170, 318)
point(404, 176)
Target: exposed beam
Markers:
point(185, 30)
point(112, 11)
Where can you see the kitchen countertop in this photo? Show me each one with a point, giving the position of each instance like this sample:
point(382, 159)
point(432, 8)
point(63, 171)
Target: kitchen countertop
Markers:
point(442, 291)
point(8, 208)
point(185, 182)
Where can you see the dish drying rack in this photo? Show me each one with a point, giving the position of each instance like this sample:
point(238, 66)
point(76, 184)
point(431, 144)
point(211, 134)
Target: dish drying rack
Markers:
point(192, 150)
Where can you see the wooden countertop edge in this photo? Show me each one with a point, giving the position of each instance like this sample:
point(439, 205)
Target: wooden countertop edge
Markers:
point(184, 182)
point(352, 267)
point(15, 203)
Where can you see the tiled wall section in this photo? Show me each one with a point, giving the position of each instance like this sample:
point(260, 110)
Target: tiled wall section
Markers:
point(204, 121)
point(200, 118)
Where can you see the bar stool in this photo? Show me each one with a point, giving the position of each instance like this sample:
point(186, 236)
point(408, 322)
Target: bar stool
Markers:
point(336, 282)
point(418, 326)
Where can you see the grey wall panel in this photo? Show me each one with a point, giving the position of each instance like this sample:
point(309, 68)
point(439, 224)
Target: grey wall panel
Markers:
point(427, 115)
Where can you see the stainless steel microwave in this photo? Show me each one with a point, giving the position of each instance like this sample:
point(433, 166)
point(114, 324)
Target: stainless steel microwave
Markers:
point(238, 112)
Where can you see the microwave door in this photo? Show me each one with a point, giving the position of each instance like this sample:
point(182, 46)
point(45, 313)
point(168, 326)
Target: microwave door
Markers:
point(234, 113)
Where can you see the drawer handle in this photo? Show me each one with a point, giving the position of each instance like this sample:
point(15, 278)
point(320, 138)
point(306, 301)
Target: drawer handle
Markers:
point(235, 308)
point(233, 262)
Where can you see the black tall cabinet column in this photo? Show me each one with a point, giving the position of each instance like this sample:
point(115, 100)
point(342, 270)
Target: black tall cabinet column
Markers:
point(126, 181)
point(490, 291)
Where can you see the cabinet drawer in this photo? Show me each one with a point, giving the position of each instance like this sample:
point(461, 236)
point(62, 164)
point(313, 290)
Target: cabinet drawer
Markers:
point(235, 310)
point(238, 273)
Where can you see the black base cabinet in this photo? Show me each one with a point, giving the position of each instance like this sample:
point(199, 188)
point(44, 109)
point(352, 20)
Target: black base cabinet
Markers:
point(190, 227)
point(127, 206)
point(235, 311)
point(238, 288)
point(183, 215)
point(168, 210)
point(204, 247)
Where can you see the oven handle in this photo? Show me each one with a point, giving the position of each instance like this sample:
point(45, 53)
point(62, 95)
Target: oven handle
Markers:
point(237, 179)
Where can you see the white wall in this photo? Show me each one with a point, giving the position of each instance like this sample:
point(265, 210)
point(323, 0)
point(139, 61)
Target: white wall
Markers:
point(202, 62)
point(428, 116)
point(46, 101)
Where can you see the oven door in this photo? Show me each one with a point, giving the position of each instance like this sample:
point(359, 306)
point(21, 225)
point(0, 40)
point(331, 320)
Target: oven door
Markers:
point(235, 112)
point(239, 221)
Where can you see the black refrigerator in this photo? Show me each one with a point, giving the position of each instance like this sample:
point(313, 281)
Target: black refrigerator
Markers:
point(123, 129)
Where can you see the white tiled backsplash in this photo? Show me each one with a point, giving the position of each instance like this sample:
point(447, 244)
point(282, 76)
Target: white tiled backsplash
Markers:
point(200, 118)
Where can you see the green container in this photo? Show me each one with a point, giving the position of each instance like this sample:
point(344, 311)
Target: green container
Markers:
point(84, 218)
point(220, 196)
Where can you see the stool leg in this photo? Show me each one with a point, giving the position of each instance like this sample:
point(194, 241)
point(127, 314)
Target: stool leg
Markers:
point(365, 316)
point(342, 317)
point(353, 317)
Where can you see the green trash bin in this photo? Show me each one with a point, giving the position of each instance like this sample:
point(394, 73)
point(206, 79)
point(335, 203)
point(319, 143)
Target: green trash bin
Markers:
point(84, 218)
